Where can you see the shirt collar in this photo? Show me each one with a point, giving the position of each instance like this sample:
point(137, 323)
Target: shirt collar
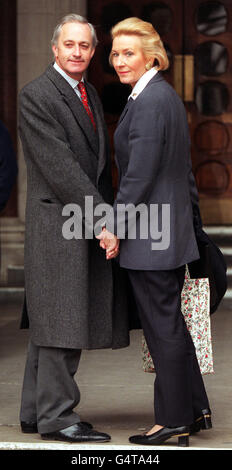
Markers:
point(142, 82)
point(69, 79)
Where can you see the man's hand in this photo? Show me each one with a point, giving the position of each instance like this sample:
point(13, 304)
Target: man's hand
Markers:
point(110, 243)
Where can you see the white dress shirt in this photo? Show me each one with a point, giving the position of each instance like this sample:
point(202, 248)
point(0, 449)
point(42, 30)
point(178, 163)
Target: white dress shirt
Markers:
point(142, 82)
point(69, 79)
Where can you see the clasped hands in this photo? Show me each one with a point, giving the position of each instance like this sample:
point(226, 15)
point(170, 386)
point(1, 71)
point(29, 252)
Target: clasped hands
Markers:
point(109, 242)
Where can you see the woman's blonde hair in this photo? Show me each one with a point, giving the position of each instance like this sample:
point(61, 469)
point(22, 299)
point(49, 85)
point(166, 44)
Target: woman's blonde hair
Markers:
point(151, 43)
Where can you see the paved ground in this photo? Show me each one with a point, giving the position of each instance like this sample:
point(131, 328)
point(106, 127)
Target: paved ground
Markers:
point(117, 396)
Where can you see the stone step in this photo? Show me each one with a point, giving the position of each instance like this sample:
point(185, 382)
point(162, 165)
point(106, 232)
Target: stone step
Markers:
point(15, 276)
point(225, 230)
point(227, 252)
point(16, 294)
point(222, 235)
point(11, 294)
point(229, 278)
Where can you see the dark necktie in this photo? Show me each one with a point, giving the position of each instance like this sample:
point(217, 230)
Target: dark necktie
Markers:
point(84, 100)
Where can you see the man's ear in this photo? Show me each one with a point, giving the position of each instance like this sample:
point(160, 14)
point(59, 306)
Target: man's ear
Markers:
point(92, 53)
point(54, 49)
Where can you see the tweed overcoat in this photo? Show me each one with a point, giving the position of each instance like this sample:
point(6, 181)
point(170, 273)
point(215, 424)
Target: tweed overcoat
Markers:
point(74, 297)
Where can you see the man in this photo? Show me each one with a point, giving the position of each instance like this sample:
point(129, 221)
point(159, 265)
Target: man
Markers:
point(72, 299)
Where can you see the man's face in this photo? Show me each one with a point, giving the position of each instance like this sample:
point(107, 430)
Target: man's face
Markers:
point(74, 49)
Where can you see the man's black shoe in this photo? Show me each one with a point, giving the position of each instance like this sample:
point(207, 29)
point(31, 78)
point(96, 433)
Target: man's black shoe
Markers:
point(31, 428)
point(28, 427)
point(78, 432)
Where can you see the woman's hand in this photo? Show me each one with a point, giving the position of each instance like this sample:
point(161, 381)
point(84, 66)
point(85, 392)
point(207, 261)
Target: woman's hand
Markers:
point(110, 243)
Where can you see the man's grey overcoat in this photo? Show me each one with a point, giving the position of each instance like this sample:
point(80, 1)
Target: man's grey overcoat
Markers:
point(72, 301)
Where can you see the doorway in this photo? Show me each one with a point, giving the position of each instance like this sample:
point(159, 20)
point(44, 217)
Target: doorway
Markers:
point(8, 83)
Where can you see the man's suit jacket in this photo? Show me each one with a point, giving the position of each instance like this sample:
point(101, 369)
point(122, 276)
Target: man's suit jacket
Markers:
point(71, 298)
point(8, 166)
point(152, 148)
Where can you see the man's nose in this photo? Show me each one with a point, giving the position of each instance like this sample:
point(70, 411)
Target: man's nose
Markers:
point(77, 50)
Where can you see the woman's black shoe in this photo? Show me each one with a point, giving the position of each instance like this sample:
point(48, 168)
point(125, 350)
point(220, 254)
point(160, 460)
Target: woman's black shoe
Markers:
point(157, 438)
point(203, 422)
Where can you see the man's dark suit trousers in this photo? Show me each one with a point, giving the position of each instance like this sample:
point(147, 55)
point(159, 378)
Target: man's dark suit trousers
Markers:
point(49, 390)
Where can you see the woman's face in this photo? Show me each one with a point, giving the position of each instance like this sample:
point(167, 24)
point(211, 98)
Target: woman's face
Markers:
point(128, 58)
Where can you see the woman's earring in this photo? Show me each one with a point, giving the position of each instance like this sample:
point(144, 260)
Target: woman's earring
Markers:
point(148, 66)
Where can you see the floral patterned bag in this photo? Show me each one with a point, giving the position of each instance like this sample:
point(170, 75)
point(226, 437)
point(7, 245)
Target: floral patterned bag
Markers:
point(195, 306)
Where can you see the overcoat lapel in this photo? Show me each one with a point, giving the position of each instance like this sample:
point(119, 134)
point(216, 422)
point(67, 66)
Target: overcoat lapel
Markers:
point(101, 135)
point(77, 108)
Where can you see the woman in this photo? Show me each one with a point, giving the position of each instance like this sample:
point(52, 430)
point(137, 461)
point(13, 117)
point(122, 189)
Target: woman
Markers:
point(153, 158)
